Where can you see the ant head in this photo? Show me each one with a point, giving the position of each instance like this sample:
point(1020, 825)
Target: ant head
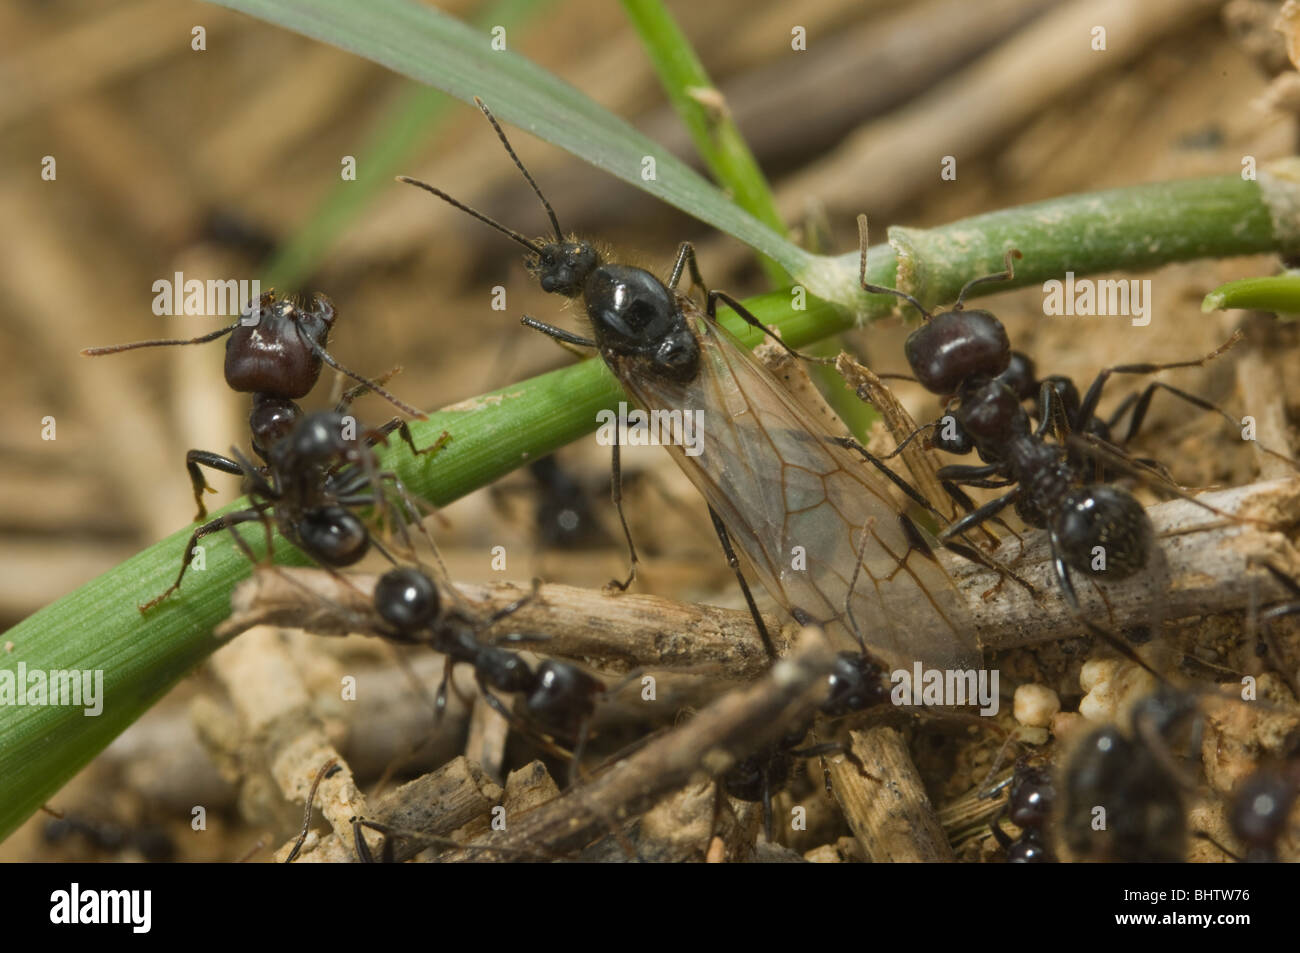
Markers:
point(857, 683)
point(407, 599)
point(957, 346)
point(562, 267)
point(634, 315)
point(333, 536)
point(276, 347)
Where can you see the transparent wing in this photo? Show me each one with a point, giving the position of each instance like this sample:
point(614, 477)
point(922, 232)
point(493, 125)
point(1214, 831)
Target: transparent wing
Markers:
point(802, 510)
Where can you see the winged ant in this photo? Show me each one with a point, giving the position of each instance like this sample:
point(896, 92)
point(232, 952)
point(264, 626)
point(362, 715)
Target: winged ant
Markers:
point(771, 481)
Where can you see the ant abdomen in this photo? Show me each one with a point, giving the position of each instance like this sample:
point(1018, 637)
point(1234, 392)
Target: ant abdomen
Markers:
point(562, 698)
point(333, 536)
point(1104, 532)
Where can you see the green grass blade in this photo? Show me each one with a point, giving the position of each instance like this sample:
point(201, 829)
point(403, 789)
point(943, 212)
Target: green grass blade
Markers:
point(427, 45)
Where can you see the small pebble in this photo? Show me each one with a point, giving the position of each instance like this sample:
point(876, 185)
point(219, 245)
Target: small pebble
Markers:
point(1035, 705)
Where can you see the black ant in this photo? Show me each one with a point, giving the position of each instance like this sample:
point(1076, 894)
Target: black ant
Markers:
point(1093, 527)
point(1029, 806)
point(636, 320)
point(856, 683)
point(315, 469)
point(151, 840)
point(1123, 793)
point(557, 698)
point(1260, 810)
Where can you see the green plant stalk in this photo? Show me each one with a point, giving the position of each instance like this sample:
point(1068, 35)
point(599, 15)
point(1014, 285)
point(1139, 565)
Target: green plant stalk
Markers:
point(1279, 293)
point(410, 121)
point(98, 627)
point(717, 139)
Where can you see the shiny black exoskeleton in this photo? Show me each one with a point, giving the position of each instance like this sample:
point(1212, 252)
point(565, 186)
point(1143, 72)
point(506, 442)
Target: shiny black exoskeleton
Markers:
point(1094, 528)
point(1123, 800)
point(856, 683)
point(637, 321)
point(1029, 806)
point(315, 469)
point(556, 697)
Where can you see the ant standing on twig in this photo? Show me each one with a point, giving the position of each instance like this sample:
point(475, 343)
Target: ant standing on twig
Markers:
point(557, 698)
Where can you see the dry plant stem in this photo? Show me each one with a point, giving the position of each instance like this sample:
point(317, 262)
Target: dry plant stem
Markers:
point(436, 804)
point(615, 633)
point(1206, 572)
point(896, 156)
point(279, 724)
point(920, 463)
point(710, 743)
point(892, 818)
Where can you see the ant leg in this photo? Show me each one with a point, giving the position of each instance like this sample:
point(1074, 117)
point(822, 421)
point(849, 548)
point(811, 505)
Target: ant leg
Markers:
point(227, 521)
point(616, 493)
point(686, 259)
point(511, 609)
point(1088, 406)
point(711, 310)
point(979, 515)
point(518, 724)
point(1002, 837)
point(767, 803)
point(381, 434)
point(1062, 572)
point(559, 334)
point(966, 552)
point(357, 390)
point(215, 461)
point(725, 539)
point(1143, 404)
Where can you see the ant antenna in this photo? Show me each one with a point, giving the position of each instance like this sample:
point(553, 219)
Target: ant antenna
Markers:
point(114, 348)
point(550, 212)
point(366, 382)
point(879, 289)
point(1005, 275)
point(528, 243)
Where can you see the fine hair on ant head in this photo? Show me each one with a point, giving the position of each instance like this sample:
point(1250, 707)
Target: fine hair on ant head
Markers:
point(279, 353)
point(1005, 275)
point(533, 246)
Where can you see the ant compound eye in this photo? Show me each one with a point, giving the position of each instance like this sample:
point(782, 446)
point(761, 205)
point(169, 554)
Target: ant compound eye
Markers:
point(406, 599)
point(957, 346)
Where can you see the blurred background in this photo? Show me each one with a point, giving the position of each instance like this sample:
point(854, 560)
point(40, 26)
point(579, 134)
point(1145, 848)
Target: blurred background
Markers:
point(219, 162)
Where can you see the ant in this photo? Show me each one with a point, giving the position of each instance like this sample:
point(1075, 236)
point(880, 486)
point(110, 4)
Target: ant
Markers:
point(557, 698)
point(638, 324)
point(856, 683)
point(1029, 806)
point(1093, 527)
point(314, 470)
point(1123, 798)
point(275, 351)
point(1260, 810)
point(151, 840)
